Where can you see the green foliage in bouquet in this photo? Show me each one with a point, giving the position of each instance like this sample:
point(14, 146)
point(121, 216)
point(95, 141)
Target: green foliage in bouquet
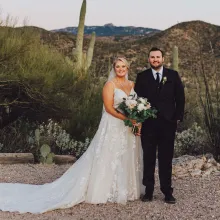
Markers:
point(136, 108)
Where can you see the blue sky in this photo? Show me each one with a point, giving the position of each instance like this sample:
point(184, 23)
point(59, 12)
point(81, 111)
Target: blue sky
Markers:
point(160, 14)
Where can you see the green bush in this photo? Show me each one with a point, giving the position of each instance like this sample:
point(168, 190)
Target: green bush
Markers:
point(192, 141)
point(37, 82)
point(17, 137)
point(24, 136)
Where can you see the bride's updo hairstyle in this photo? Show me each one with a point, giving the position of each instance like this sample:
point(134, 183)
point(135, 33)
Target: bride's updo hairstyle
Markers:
point(122, 59)
point(112, 73)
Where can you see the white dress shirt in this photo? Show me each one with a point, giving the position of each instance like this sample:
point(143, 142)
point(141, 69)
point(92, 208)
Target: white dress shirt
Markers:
point(160, 73)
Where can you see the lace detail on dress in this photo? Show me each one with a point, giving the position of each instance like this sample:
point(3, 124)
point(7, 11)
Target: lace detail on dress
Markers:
point(109, 171)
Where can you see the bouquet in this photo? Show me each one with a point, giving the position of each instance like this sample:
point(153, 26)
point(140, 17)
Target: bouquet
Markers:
point(136, 108)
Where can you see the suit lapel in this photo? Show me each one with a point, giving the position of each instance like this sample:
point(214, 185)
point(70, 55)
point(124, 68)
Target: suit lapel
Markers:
point(165, 72)
point(164, 75)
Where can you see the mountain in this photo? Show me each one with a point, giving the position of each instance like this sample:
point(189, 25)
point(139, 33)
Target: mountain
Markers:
point(190, 37)
point(111, 30)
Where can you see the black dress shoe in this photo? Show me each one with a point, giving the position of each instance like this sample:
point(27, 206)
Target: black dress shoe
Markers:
point(147, 198)
point(170, 199)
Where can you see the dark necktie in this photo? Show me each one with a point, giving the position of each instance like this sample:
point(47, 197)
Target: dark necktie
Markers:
point(158, 79)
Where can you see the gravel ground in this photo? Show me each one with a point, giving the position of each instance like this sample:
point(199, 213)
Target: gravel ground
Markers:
point(197, 198)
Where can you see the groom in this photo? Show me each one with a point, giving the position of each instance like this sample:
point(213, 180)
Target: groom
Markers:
point(164, 90)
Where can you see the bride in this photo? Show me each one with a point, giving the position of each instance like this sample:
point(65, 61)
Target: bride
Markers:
point(109, 171)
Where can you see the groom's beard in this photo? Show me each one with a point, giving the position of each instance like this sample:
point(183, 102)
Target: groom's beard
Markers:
point(156, 67)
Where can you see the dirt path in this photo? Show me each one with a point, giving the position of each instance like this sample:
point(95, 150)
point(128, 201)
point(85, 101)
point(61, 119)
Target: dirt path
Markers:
point(197, 198)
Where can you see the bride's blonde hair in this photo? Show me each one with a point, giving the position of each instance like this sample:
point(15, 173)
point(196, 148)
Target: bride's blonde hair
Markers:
point(122, 59)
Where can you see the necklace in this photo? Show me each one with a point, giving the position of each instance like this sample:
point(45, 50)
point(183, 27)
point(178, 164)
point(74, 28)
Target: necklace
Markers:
point(123, 87)
point(120, 83)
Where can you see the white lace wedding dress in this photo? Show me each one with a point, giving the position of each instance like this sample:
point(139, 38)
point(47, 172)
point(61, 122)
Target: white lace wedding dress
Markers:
point(109, 171)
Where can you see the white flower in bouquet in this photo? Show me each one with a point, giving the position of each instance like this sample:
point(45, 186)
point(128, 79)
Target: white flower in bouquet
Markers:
point(141, 107)
point(136, 108)
point(131, 103)
point(148, 106)
point(143, 100)
point(130, 97)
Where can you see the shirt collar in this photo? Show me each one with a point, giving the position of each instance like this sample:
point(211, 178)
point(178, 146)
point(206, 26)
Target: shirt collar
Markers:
point(160, 72)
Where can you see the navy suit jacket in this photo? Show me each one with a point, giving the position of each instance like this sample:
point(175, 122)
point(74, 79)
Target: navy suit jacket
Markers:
point(168, 98)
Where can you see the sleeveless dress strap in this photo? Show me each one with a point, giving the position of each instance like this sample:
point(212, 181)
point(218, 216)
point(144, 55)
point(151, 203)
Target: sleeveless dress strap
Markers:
point(113, 84)
point(131, 83)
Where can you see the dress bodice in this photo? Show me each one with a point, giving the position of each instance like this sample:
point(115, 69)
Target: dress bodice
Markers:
point(119, 95)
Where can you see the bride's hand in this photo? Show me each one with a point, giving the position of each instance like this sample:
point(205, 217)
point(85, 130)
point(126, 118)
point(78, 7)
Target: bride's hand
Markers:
point(134, 122)
point(139, 125)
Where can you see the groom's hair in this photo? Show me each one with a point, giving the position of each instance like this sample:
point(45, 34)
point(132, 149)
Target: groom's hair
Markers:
point(155, 49)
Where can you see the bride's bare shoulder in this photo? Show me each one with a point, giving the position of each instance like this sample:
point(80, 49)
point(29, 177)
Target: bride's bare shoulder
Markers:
point(108, 88)
point(109, 85)
point(132, 83)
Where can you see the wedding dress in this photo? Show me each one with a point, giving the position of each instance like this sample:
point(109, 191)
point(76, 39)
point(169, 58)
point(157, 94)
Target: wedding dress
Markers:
point(109, 171)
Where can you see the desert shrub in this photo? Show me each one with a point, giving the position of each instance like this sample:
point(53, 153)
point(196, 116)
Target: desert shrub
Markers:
point(32, 75)
point(37, 83)
point(60, 141)
point(24, 136)
point(192, 141)
point(15, 137)
point(209, 96)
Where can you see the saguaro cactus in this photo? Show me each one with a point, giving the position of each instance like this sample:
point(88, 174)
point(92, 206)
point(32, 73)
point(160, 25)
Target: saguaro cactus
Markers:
point(175, 59)
point(78, 53)
point(83, 61)
point(90, 51)
point(109, 65)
